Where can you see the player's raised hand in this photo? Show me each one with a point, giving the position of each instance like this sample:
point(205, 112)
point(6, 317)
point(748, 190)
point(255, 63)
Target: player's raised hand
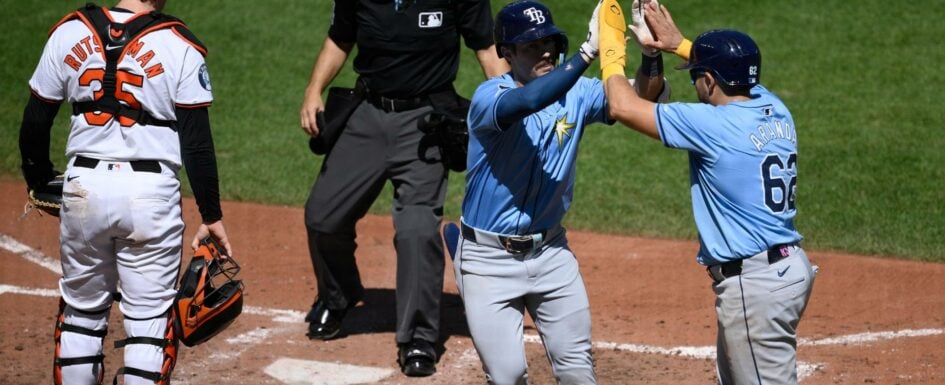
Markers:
point(665, 35)
point(612, 28)
point(591, 47)
point(639, 28)
point(311, 105)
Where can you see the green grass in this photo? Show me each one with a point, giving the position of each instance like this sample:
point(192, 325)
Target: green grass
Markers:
point(862, 79)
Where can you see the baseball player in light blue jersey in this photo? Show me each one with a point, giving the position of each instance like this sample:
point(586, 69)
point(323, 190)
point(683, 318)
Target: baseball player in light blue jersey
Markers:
point(525, 127)
point(743, 162)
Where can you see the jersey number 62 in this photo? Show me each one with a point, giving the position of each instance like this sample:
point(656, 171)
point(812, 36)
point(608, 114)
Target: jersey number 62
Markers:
point(780, 180)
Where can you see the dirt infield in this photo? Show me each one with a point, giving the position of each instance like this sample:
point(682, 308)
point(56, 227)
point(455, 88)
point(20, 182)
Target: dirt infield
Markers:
point(870, 320)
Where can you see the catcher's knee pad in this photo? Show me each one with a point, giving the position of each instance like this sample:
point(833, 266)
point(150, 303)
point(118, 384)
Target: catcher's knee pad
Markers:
point(150, 350)
point(79, 336)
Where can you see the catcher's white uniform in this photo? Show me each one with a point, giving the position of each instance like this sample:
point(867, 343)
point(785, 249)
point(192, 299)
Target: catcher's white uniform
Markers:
point(121, 216)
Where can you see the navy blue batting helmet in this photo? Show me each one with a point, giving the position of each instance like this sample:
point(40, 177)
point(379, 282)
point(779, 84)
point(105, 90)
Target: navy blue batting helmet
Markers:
point(525, 21)
point(731, 56)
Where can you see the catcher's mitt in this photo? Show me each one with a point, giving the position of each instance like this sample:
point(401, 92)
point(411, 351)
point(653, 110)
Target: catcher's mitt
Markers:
point(47, 198)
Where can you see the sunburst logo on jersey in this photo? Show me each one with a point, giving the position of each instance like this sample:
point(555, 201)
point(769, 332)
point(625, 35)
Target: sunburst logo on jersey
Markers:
point(561, 129)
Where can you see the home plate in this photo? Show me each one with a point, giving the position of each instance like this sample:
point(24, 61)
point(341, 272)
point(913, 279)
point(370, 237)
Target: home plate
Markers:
point(291, 371)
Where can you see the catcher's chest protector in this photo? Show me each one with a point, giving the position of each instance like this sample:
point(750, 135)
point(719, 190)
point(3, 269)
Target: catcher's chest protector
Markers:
point(117, 40)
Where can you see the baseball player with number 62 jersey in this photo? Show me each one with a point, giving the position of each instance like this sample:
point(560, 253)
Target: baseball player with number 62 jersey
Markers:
point(743, 168)
point(138, 90)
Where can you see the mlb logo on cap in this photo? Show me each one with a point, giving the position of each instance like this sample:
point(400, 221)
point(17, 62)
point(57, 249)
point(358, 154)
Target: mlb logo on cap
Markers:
point(431, 19)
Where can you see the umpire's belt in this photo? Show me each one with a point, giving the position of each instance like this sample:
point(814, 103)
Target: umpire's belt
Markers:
point(136, 165)
point(758, 261)
point(396, 105)
point(515, 244)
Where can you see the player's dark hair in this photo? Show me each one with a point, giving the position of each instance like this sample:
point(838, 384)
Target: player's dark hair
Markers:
point(737, 90)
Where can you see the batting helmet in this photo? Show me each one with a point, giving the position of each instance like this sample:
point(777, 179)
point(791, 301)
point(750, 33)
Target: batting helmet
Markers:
point(208, 299)
point(731, 56)
point(525, 21)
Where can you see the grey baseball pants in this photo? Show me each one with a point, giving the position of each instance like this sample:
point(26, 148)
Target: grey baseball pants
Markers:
point(758, 313)
point(497, 287)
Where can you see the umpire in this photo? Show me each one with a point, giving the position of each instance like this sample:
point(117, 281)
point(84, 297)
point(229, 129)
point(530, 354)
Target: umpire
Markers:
point(408, 57)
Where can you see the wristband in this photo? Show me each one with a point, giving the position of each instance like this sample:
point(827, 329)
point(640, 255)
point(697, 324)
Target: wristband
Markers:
point(652, 66)
point(685, 46)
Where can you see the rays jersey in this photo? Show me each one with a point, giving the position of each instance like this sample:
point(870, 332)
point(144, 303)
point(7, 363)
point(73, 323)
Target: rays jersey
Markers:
point(157, 72)
point(525, 182)
point(742, 172)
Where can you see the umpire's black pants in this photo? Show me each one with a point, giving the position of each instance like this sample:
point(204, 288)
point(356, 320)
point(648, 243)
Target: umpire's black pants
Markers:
point(374, 147)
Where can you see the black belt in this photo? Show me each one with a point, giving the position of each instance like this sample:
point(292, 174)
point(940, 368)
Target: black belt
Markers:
point(775, 254)
point(515, 244)
point(395, 105)
point(136, 165)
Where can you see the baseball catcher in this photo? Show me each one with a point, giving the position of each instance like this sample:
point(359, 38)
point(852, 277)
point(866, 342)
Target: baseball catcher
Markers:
point(136, 84)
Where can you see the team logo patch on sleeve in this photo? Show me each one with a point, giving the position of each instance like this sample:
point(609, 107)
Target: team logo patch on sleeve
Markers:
point(204, 77)
point(431, 19)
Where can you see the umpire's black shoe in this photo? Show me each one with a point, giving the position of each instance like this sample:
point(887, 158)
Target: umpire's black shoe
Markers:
point(324, 323)
point(417, 358)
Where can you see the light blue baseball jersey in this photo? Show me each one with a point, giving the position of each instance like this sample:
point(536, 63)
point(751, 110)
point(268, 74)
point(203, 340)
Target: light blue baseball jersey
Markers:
point(524, 182)
point(742, 172)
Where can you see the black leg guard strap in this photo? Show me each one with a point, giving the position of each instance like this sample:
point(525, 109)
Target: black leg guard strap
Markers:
point(159, 342)
point(81, 330)
point(157, 377)
point(153, 376)
point(168, 344)
point(79, 360)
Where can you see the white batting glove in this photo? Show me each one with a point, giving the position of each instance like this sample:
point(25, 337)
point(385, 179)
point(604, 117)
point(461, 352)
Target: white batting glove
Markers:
point(641, 31)
point(590, 47)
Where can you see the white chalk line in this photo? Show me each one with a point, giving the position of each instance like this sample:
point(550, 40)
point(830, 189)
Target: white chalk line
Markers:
point(864, 338)
point(10, 244)
point(256, 336)
point(28, 291)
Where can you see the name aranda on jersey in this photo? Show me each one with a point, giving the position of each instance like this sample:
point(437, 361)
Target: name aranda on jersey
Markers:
point(767, 132)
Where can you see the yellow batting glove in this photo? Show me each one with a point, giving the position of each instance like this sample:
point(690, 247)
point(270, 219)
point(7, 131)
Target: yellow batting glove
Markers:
point(612, 39)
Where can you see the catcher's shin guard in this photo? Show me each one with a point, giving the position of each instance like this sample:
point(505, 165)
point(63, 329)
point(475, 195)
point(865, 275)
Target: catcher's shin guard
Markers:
point(150, 350)
point(79, 337)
